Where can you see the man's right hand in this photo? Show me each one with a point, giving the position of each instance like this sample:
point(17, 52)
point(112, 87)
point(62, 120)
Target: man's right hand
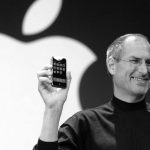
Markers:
point(53, 97)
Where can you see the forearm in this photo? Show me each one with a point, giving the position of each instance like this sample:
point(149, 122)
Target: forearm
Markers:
point(49, 132)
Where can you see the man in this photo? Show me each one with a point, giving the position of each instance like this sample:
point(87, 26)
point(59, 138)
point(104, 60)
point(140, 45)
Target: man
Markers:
point(121, 124)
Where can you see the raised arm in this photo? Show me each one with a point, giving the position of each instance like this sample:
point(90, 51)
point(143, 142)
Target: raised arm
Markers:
point(54, 99)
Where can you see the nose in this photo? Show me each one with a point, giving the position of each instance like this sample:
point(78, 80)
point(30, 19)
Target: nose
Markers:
point(143, 68)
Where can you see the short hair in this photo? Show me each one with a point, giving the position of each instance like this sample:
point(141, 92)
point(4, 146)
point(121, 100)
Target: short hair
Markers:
point(115, 49)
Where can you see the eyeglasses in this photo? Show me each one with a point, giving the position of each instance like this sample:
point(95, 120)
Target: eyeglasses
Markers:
point(136, 61)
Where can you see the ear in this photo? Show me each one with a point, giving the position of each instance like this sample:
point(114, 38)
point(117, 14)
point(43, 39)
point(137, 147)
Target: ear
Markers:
point(111, 65)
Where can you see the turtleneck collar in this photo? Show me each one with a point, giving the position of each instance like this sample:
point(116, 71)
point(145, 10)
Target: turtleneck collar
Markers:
point(123, 106)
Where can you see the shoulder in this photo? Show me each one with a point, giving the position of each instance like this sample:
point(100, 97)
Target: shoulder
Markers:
point(105, 109)
point(91, 115)
point(88, 120)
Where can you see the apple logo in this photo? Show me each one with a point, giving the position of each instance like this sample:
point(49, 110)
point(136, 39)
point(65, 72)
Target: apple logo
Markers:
point(21, 108)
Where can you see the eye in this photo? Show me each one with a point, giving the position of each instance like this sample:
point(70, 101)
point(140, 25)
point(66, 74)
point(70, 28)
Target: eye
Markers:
point(148, 62)
point(135, 61)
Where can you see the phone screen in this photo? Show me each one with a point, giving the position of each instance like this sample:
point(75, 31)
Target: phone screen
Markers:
point(59, 72)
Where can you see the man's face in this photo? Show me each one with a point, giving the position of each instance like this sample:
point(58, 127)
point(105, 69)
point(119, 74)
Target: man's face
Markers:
point(132, 78)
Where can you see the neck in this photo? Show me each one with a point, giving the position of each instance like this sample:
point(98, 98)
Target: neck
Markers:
point(124, 106)
point(129, 98)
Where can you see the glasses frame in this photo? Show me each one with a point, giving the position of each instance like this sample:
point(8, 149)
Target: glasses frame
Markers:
point(135, 61)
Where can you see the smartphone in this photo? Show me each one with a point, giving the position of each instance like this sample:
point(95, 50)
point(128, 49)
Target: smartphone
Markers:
point(59, 72)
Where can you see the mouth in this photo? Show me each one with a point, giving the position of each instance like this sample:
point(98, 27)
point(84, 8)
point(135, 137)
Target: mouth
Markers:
point(140, 80)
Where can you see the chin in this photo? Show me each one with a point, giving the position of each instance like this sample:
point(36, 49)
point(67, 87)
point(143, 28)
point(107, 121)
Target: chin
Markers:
point(140, 93)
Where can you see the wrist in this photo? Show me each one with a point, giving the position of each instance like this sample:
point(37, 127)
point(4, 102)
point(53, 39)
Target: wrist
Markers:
point(50, 124)
point(53, 114)
point(53, 110)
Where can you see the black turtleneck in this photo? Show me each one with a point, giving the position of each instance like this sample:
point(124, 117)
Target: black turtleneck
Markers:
point(123, 106)
point(132, 125)
point(116, 125)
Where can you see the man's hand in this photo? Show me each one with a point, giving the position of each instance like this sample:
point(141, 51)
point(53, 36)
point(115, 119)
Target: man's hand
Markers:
point(53, 97)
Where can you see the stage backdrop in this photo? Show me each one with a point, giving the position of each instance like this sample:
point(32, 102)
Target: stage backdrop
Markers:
point(32, 31)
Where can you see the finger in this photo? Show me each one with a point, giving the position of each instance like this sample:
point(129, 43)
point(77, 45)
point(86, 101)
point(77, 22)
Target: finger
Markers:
point(47, 67)
point(51, 61)
point(44, 73)
point(69, 78)
point(45, 80)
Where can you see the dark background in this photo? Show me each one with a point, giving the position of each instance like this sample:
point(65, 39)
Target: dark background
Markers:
point(96, 23)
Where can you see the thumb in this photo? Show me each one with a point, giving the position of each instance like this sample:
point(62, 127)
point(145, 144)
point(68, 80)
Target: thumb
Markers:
point(68, 79)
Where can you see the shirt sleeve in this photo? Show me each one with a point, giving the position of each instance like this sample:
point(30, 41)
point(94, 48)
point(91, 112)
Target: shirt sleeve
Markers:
point(72, 133)
point(71, 136)
point(41, 145)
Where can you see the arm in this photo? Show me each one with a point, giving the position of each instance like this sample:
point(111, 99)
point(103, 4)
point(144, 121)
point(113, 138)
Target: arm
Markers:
point(54, 100)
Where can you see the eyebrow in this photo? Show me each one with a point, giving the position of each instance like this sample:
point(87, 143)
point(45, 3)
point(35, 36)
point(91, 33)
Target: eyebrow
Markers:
point(133, 57)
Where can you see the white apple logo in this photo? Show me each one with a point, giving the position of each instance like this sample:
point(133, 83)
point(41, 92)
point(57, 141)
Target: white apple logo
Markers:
point(21, 107)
